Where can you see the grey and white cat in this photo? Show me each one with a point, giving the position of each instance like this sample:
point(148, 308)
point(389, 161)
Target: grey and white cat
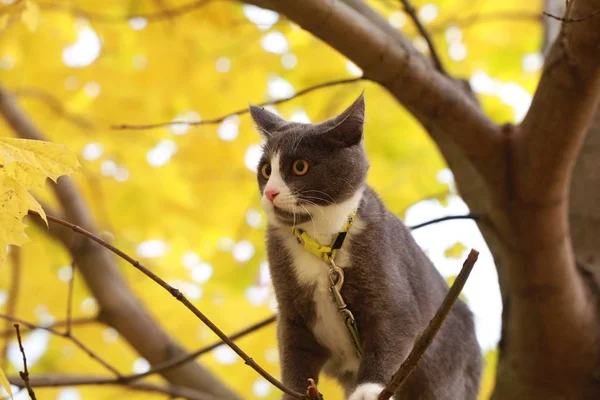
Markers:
point(313, 176)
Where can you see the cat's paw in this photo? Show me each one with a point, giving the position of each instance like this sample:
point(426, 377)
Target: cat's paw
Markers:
point(367, 391)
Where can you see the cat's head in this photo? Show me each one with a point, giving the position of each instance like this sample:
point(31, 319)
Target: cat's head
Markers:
point(305, 167)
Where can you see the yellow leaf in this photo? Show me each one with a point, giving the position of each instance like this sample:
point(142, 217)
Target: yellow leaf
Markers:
point(15, 202)
point(30, 162)
point(5, 383)
point(31, 15)
point(455, 251)
point(25, 164)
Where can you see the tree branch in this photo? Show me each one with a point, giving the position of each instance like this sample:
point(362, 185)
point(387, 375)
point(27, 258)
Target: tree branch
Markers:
point(83, 380)
point(119, 308)
point(181, 298)
point(467, 21)
point(55, 105)
point(412, 13)
point(67, 336)
point(24, 374)
point(473, 216)
point(570, 83)
point(387, 57)
point(432, 329)
point(188, 357)
point(8, 333)
point(244, 110)
point(569, 20)
point(129, 379)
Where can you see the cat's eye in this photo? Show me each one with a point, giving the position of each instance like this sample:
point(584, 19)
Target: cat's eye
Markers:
point(300, 167)
point(266, 170)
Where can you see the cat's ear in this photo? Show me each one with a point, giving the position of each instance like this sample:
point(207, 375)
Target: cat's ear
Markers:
point(267, 122)
point(346, 129)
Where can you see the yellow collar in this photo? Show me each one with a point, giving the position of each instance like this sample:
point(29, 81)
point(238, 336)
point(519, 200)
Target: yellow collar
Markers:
point(324, 253)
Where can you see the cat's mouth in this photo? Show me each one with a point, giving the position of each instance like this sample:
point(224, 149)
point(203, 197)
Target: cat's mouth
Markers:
point(290, 218)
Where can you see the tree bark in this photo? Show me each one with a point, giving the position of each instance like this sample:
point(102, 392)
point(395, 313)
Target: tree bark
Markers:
point(119, 308)
point(519, 177)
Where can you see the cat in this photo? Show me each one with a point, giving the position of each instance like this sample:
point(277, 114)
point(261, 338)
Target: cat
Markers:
point(312, 177)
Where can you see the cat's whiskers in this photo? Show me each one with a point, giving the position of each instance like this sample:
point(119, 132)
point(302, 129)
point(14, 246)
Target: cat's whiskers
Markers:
point(347, 182)
point(294, 214)
point(325, 217)
point(299, 195)
point(320, 191)
point(315, 205)
point(327, 202)
point(311, 218)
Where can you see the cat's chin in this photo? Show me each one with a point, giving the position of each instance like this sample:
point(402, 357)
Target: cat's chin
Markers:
point(285, 218)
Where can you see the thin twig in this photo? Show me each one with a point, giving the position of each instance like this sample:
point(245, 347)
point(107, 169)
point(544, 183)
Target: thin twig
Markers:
point(55, 105)
point(165, 10)
point(240, 111)
point(188, 357)
point(412, 13)
point(181, 298)
point(70, 299)
point(84, 380)
point(569, 20)
point(24, 374)
point(432, 329)
point(13, 294)
point(75, 341)
point(477, 18)
point(128, 379)
point(93, 355)
point(8, 333)
point(473, 216)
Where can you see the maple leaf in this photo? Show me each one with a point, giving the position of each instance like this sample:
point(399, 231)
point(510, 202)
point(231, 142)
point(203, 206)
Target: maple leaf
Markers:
point(25, 164)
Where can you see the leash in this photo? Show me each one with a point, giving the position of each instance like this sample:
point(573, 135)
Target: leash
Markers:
point(335, 273)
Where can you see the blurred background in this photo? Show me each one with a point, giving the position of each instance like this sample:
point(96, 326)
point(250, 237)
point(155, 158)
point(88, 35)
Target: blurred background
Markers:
point(183, 199)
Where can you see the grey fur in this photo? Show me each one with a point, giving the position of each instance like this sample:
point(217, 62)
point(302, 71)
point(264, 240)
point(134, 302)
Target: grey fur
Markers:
point(391, 287)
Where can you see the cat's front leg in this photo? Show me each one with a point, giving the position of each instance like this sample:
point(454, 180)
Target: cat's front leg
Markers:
point(301, 356)
point(380, 360)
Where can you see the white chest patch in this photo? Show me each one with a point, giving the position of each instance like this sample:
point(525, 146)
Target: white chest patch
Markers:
point(329, 327)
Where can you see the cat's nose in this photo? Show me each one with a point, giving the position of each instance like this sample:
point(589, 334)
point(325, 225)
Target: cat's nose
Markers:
point(271, 194)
